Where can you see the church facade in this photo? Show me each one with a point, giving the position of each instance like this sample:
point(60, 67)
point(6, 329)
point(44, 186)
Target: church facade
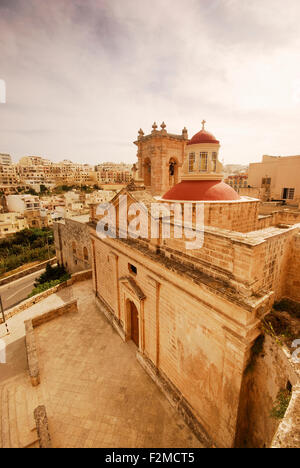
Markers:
point(194, 315)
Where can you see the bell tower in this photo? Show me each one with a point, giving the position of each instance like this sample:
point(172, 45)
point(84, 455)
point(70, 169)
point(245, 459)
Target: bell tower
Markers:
point(160, 158)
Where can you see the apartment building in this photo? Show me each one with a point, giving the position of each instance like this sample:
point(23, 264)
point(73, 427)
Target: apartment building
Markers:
point(10, 223)
point(278, 176)
point(5, 159)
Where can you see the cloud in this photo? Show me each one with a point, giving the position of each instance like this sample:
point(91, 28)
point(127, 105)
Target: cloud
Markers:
point(83, 76)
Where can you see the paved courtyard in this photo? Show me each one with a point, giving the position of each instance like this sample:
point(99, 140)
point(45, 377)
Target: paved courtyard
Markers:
point(95, 392)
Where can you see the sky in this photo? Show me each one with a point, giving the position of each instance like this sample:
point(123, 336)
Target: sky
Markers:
point(82, 76)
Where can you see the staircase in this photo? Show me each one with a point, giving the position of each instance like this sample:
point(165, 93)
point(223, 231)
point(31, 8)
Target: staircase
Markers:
point(17, 424)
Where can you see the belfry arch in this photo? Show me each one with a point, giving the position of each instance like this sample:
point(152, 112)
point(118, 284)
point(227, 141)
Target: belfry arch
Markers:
point(147, 172)
point(173, 171)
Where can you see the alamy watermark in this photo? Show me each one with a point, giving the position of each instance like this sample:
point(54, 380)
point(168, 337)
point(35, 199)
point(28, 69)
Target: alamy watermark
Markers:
point(159, 220)
point(2, 352)
point(2, 92)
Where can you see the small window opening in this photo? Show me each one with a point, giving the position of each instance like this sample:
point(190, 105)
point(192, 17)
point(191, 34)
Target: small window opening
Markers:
point(132, 268)
point(289, 386)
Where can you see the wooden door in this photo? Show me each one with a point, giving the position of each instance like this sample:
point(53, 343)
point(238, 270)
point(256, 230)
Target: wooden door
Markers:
point(134, 324)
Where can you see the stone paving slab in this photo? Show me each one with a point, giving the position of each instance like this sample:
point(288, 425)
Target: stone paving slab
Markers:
point(95, 392)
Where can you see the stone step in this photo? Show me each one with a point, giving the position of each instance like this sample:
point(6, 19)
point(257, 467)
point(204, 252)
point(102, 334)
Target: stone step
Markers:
point(13, 428)
point(4, 407)
point(17, 424)
point(26, 401)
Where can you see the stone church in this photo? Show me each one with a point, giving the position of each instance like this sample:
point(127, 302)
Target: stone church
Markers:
point(195, 315)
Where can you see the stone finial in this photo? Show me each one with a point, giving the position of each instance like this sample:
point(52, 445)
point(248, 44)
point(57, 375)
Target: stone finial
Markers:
point(163, 128)
point(203, 124)
point(184, 133)
point(154, 126)
point(141, 133)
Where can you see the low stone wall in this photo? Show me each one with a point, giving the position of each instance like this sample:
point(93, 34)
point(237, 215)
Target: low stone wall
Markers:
point(41, 421)
point(82, 276)
point(33, 300)
point(77, 277)
point(31, 351)
point(28, 271)
point(48, 316)
point(31, 348)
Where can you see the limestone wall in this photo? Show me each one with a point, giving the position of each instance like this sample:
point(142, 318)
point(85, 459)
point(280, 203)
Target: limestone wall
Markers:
point(196, 338)
point(239, 217)
point(288, 217)
point(159, 149)
point(292, 281)
point(71, 238)
point(251, 265)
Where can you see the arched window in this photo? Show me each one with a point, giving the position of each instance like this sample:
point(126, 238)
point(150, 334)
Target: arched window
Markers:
point(74, 248)
point(147, 173)
point(173, 172)
point(203, 162)
point(85, 253)
point(214, 162)
point(191, 162)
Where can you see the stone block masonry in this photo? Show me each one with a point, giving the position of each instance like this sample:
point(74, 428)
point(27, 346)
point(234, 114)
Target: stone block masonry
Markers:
point(41, 419)
point(31, 348)
point(31, 351)
point(72, 245)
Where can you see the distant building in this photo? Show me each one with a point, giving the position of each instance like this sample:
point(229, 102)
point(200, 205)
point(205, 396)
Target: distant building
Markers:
point(234, 168)
point(278, 176)
point(237, 181)
point(29, 207)
point(72, 243)
point(5, 159)
point(10, 223)
point(22, 203)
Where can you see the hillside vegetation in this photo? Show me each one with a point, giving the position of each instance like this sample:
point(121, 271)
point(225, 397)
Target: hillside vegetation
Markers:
point(24, 247)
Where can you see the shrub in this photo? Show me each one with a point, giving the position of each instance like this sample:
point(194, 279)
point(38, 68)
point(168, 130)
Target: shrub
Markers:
point(52, 273)
point(281, 404)
point(39, 288)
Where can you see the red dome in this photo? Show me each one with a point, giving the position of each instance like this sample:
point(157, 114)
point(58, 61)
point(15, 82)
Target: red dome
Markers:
point(203, 137)
point(201, 190)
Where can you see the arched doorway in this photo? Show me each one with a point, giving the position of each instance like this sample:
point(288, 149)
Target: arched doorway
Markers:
point(147, 172)
point(134, 323)
point(173, 172)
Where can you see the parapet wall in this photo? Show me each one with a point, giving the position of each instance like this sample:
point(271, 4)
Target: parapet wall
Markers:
point(239, 216)
point(28, 271)
point(292, 283)
point(77, 277)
